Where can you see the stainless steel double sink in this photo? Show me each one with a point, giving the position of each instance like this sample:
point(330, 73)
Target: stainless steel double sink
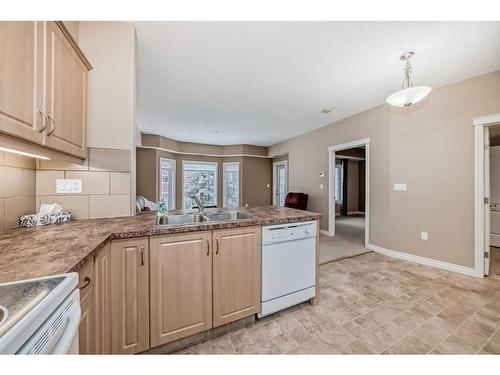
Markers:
point(198, 217)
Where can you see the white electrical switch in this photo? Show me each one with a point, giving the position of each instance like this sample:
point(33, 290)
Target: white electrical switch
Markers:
point(64, 186)
point(399, 187)
point(321, 186)
point(424, 236)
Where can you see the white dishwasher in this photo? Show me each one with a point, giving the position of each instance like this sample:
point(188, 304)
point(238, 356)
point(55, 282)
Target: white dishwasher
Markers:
point(288, 265)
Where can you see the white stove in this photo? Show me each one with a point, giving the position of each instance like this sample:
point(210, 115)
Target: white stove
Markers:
point(40, 316)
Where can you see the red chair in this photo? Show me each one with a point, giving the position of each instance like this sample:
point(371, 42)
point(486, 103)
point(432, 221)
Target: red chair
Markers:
point(296, 200)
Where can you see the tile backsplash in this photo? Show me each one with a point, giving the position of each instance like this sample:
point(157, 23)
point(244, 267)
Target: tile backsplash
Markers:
point(17, 189)
point(106, 184)
point(25, 183)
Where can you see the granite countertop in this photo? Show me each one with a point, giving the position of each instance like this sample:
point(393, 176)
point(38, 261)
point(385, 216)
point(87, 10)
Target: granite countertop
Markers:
point(58, 248)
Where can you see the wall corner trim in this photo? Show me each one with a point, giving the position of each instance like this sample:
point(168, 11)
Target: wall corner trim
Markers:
point(427, 261)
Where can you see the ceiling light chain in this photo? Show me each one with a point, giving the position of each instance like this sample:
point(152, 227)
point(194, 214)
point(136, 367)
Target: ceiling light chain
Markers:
point(407, 81)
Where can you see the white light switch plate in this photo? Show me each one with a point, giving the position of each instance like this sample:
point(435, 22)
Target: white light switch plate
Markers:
point(424, 236)
point(64, 186)
point(399, 187)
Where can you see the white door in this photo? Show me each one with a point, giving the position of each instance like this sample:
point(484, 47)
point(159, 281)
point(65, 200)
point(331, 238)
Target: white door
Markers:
point(487, 201)
point(280, 182)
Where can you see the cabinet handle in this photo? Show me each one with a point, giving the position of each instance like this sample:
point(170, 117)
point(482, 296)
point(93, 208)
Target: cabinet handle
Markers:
point(52, 123)
point(142, 255)
point(208, 247)
point(217, 246)
point(44, 120)
point(86, 284)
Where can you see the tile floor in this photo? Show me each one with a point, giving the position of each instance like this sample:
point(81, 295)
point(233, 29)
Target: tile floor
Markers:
point(349, 239)
point(374, 304)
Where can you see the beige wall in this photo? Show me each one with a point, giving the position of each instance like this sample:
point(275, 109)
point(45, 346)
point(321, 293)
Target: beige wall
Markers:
point(169, 144)
point(255, 175)
point(106, 181)
point(111, 47)
point(17, 189)
point(430, 147)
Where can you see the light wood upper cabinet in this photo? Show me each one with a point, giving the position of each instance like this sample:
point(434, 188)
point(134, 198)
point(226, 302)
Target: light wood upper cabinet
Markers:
point(43, 75)
point(21, 84)
point(129, 295)
point(65, 94)
point(236, 274)
point(181, 286)
point(102, 293)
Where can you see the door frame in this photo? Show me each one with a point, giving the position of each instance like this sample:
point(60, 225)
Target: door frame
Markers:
point(331, 183)
point(275, 164)
point(480, 127)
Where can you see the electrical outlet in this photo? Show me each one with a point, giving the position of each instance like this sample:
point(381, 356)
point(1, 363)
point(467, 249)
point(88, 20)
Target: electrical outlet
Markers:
point(424, 236)
point(65, 186)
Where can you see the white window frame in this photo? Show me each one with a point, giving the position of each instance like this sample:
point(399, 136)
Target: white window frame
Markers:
point(174, 176)
point(224, 188)
point(216, 178)
point(275, 178)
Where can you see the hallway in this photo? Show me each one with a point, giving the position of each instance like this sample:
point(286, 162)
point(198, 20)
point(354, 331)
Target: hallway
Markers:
point(348, 241)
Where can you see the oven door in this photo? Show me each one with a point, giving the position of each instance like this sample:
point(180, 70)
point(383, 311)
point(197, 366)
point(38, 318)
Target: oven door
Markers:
point(59, 333)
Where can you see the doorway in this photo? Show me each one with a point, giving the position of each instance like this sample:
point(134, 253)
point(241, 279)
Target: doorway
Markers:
point(488, 172)
point(348, 214)
point(487, 195)
point(280, 182)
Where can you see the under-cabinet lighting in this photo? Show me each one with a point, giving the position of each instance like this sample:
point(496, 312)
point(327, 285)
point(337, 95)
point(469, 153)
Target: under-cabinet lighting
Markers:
point(24, 153)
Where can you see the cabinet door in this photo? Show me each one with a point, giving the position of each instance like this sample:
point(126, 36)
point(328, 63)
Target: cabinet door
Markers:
point(86, 332)
point(181, 286)
point(130, 295)
point(65, 94)
point(21, 67)
point(236, 274)
point(102, 292)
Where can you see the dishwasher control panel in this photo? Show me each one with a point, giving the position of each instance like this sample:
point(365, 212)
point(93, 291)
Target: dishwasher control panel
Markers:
point(288, 232)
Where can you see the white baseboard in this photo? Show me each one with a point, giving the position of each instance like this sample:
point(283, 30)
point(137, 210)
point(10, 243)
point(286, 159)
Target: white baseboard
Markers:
point(426, 261)
point(325, 232)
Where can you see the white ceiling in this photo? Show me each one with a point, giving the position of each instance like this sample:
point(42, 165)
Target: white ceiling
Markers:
point(263, 82)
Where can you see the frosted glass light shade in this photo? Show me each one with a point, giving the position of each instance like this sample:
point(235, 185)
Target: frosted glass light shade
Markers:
point(407, 97)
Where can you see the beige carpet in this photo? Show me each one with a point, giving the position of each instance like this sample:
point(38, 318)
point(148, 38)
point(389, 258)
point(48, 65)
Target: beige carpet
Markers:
point(348, 241)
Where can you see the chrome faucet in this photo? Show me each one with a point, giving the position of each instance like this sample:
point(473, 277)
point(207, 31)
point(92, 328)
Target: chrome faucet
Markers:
point(201, 207)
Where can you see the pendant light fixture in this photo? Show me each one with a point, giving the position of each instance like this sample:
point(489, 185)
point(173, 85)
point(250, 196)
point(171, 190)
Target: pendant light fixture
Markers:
point(409, 94)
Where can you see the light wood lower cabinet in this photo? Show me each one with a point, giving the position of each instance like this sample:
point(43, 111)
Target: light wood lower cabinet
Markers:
point(86, 332)
point(181, 286)
point(102, 298)
point(236, 274)
point(130, 295)
point(145, 292)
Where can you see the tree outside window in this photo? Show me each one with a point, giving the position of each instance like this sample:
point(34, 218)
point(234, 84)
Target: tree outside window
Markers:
point(200, 179)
